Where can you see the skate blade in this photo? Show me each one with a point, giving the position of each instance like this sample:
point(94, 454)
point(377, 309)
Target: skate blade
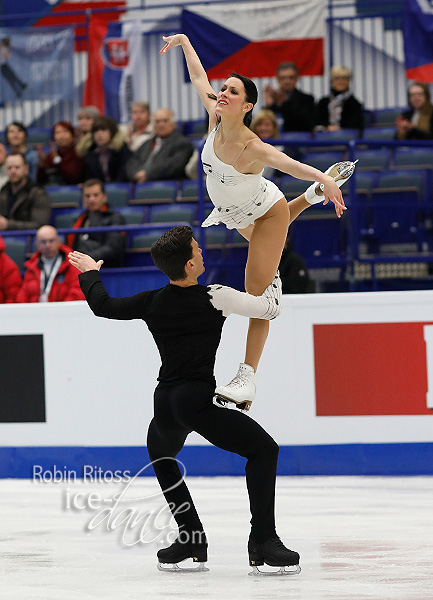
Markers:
point(174, 568)
point(292, 570)
point(223, 402)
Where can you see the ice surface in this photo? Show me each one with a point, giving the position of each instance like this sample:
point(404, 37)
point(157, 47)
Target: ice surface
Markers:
point(359, 539)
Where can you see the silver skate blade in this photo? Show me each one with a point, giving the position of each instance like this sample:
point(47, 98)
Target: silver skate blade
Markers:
point(225, 402)
point(174, 568)
point(293, 570)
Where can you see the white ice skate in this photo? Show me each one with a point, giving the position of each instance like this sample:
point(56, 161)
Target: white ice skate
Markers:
point(340, 172)
point(240, 391)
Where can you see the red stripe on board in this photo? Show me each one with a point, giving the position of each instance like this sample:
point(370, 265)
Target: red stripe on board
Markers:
point(261, 59)
point(423, 73)
point(80, 30)
point(93, 90)
point(370, 369)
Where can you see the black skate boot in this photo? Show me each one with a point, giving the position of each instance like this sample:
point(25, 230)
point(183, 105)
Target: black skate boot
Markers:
point(180, 551)
point(274, 553)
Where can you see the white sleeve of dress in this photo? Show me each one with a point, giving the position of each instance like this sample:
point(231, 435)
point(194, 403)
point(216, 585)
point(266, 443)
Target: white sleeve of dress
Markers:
point(230, 301)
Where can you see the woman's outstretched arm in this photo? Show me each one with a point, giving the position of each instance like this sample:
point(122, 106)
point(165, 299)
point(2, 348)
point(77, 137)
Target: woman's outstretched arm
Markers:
point(196, 71)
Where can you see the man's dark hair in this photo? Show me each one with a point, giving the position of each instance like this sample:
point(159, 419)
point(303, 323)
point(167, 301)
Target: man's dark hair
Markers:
point(91, 182)
point(287, 65)
point(172, 251)
point(20, 126)
point(23, 156)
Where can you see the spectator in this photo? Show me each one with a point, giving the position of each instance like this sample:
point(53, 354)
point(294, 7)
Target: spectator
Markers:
point(140, 129)
point(265, 125)
point(107, 246)
point(164, 156)
point(293, 272)
point(3, 175)
point(23, 204)
point(83, 135)
point(417, 122)
point(107, 157)
point(10, 278)
point(16, 137)
point(61, 166)
point(293, 107)
point(339, 110)
point(49, 277)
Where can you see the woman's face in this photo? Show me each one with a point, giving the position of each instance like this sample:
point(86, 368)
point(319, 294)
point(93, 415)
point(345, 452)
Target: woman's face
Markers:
point(340, 82)
point(102, 137)
point(417, 97)
point(231, 98)
point(265, 129)
point(85, 123)
point(16, 137)
point(63, 137)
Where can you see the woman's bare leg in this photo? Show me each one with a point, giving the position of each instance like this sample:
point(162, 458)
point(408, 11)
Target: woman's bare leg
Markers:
point(267, 240)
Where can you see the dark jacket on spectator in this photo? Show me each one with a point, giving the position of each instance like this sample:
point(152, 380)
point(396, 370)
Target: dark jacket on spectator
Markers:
point(10, 278)
point(116, 164)
point(30, 208)
point(108, 246)
point(168, 163)
point(69, 171)
point(297, 112)
point(352, 116)
point(65, 285)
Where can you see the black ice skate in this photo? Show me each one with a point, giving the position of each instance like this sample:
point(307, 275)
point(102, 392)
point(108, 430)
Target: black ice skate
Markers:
point(273, 553)
point(180, 551)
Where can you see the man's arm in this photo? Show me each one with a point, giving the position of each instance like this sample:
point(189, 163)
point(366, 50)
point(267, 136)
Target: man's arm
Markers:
point(230, 301)
point(102, 305)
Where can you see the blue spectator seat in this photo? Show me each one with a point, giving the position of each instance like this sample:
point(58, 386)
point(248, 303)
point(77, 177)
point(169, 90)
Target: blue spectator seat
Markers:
point(195, 128)
point(292, 187)
point(322, 160)
point(386, 117)
point(16, 249)
point(64, 195)
point(418, 158)
point(295, 136)
point(168, 213)
point(321, 241)
point(118, 194)
point(133, 215)
point(155, 192)
point(38, 135)
point(66, 219)
point(373, 160)
point(189, 191)
point(379, 133)
point(343, 135)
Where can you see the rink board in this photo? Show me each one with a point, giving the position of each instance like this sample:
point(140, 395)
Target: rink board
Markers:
point(343, 387)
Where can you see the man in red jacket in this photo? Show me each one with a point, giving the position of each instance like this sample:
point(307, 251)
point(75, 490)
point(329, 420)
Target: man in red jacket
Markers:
point(49, 277)
point(10, 278)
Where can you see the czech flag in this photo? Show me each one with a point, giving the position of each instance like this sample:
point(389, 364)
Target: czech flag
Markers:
point(418, 39)
point(114, 70)
point(254, 38)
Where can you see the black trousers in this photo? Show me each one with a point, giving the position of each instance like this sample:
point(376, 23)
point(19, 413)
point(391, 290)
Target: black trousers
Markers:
point(186, 407)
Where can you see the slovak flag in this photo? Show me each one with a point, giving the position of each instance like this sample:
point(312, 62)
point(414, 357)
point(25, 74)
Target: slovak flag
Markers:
point(114, 71)
point(418, 39)
point(253, 38)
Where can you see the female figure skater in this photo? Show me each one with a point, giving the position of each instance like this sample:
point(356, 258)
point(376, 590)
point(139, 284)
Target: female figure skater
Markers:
point(233, 160)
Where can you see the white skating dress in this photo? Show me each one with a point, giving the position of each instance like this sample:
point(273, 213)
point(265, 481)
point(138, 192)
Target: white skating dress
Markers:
point(239, 199)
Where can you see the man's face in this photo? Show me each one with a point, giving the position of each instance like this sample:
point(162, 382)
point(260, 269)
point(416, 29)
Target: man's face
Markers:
point(16, 169)
point(140, 117)
point(94, 198)
point(48, 242)
point(287, 79)
point(197, 258)
point(163, 124)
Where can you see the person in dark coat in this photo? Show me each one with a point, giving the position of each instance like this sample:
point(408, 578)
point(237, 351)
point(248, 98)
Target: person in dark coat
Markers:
point(295, 108)
point(339, 110)
point(62, 165)
point(417, 122)
point(108, 246)
point(164, 156)
point(109, 153)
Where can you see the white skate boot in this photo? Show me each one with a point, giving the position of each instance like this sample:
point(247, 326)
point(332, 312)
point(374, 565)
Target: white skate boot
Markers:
point(340, 172)
point(241, 389)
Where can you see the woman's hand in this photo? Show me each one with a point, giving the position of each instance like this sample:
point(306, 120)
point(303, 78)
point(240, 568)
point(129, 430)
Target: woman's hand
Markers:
point(171, 41)
point(333, 193)
point(83, 262)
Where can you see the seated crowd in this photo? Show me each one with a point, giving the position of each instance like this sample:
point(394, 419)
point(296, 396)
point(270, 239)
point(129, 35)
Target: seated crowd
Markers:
point(150, 148)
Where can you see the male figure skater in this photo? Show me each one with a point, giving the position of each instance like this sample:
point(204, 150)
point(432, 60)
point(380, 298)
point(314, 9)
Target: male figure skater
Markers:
point(186, 320)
